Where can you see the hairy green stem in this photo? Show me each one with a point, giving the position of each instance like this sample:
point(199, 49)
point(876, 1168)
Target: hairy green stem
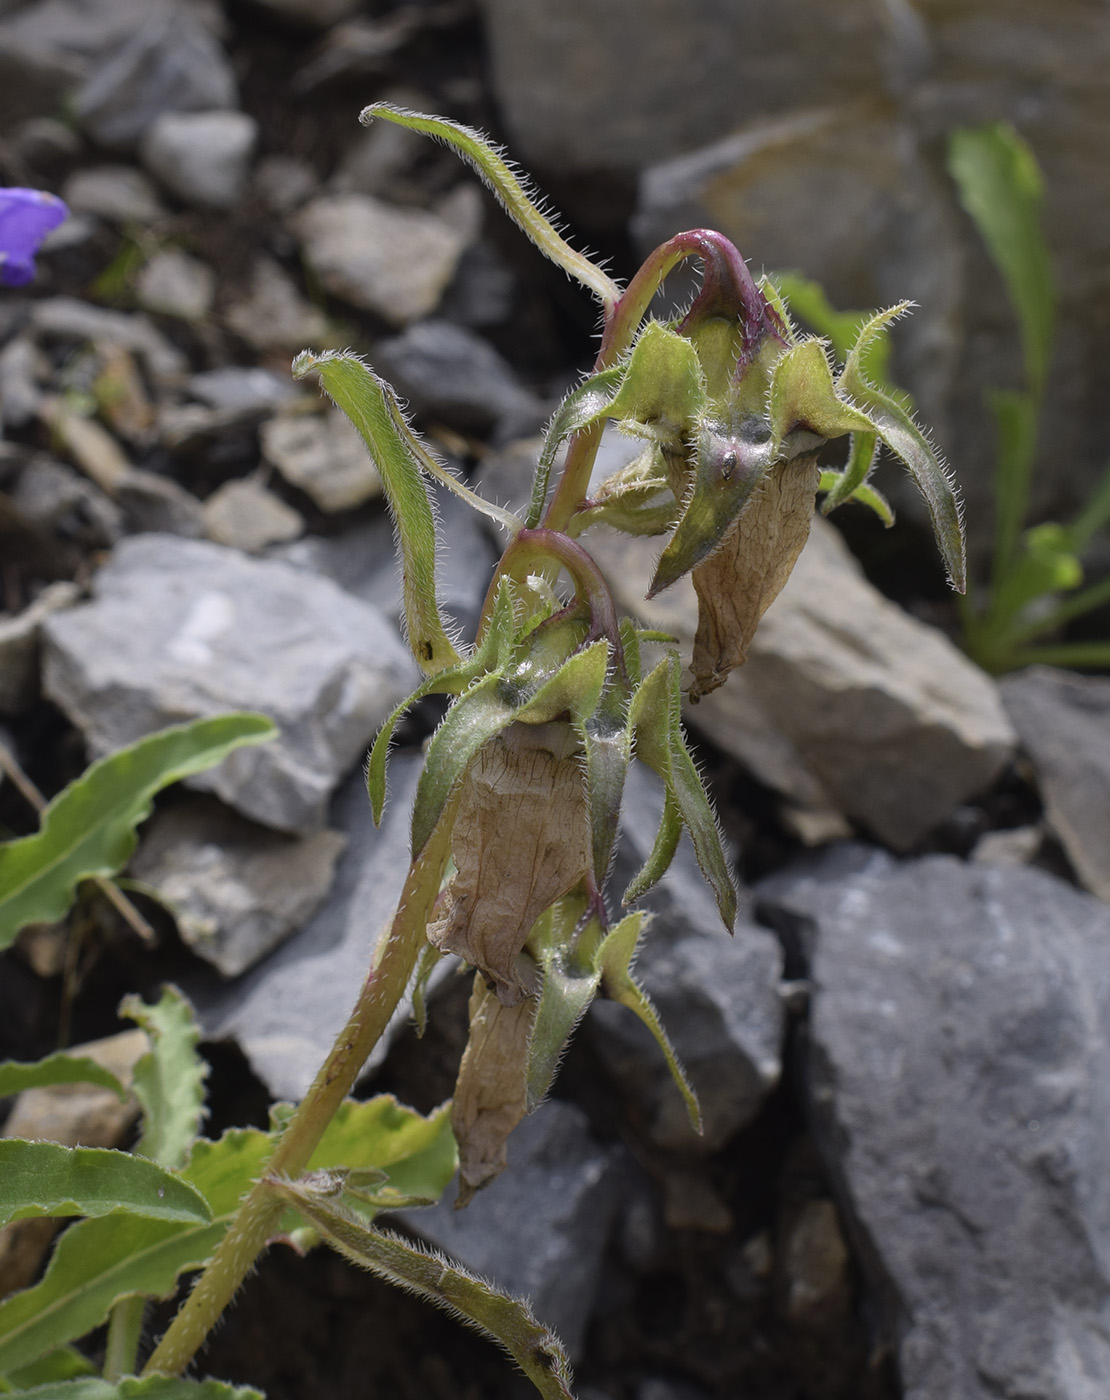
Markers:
point(125, 1330)
point(261, 1210)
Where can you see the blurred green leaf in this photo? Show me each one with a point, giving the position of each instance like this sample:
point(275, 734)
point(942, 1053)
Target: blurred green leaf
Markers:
point(89, 828)
point(59, 1068)
point(169, 1080)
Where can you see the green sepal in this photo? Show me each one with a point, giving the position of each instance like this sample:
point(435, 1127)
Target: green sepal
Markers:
point(615, 959)
point(570, 982)
point(372, 407)
point(606, 738)
point(662, 390)
point(656, 718)
point(429, 958)
point(574, 689)
point(842, 486)
point(662, 851)
point(508, 1321)
point(582, 407)
point(803, 395)
point(864, 495)
point(895, 426)
point(492, 652)
point(637, 499)
point(169, 1080)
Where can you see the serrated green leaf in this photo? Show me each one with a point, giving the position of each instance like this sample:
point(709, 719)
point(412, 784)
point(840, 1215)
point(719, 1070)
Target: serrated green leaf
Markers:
point(507, 1320)
point(97, 1262)
point(615, 959)
point(1000, 187)
point(169, 1080)
point(372, 407)
point(485, 158)
point(59, 1068)
point(142, 1388)
point(46, 1179)
point(89, 828)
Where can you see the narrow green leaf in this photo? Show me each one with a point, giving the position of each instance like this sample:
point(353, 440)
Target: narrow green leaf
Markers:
point(662, 851)
point(507, 1320)
point(1015, 418)
point(581, 407)
point(372, 407)
point(490, 164)
point(142, 1388)
point(45, 1179)
point(843, 486)
point(58, 1068)
point(89, 828)
point(472, 721)
point(1000, 186)
point(656, 717)
point(97, 1262)
point(1094, 515)
point(169, 1080)
point(564, 999)
point(615, 960)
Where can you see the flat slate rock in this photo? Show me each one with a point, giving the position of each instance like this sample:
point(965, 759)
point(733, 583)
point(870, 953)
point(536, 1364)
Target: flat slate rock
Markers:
point(959, 1064)
point(1063, 721)
point(540, 1229)
point(182, 628)
point(285, 1013)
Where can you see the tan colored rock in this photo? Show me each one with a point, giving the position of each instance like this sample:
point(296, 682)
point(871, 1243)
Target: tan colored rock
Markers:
point(323, 455)
point(244, 515)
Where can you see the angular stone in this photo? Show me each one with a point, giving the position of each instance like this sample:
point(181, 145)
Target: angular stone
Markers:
point(540, 1229)
point(244, 515)
point(717, 997)
point(242, 388)
point(453, 375)
point(1063, 722)
point(323, 455)
point(19, 647)
point(285, 1013)
point(392, 261)
point(119, 193)
point(202, 157)
point(275, 315)
point(171, 62)
point(237, 890)
point(586, 88)
point(845, 700)
point(958, 1067)
point(174, 284)
point(67, 319)
point(182, 628)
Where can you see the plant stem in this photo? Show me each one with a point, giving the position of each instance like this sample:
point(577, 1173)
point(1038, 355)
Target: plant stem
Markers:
point(261, 1209)
point(124, 1331)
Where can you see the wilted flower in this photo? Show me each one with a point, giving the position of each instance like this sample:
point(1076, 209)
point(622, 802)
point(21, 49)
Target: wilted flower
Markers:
point(26, 217)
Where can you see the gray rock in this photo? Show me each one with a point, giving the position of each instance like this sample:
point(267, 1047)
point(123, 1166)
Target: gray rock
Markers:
point(170, 62)
point(958, 1074)
point(22, 370)
point(237, 890)
point(181, 628)
point(1063, 721)
point(275, 315)
point(174, 284)
point(67, 319)
point(283, 182)
point(582, 88)
point(394, 262)
point(19, 647)
point(53, 499)
point(845, 700)
point(450, 374)
point(156, 503)
point(242, 389)
point(245, 515)
point(539, 1230)
point(718, 997)
point(202, 157)
point(285, 1013)
point(323, 455)
point(318, 14)
point(118, 193)
point(33, 83)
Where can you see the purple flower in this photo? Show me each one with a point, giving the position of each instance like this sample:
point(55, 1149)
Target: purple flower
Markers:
point(26, 217)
